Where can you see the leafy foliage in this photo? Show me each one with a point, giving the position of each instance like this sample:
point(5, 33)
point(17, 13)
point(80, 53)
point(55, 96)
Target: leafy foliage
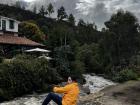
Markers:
point(62, 60)
point(126, 75)
point(31, 31)
point(88, 55)
point(61, 13)
point(71, 19)
point(120, 42)
point(25, 74)
point(42, 11)
point(122, 27)
point(50, 9)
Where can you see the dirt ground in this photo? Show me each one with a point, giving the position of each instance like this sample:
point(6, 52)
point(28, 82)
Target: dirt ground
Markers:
point(122, 94)
point(128, 92)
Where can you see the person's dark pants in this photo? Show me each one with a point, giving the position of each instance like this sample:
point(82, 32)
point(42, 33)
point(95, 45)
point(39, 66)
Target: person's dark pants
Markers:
point(51, 96)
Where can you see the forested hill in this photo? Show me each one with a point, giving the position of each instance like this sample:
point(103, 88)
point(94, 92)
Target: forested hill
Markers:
point(50, 25)
point(18, 13)
point(82, 46)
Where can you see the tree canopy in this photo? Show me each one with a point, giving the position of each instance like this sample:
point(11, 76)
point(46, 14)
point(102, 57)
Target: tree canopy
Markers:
point(31, 31)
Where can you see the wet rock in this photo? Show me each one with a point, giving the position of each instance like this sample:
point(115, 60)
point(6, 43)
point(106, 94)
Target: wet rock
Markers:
point(85, 89)
point(93, 74)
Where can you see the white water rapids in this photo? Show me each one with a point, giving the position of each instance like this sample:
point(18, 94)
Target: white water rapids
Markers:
point(94, 83)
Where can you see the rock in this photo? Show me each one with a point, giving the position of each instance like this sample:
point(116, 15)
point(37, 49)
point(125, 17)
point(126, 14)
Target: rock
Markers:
point(93, 74)
point(86, 89)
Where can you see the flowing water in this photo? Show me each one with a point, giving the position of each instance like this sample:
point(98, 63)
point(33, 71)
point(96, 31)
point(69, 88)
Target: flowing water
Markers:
point(94, 83)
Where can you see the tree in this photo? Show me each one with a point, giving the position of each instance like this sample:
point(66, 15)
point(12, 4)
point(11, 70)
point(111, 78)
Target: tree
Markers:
point(31, 31)
point(18, 4)
point(88, 55)
point(87, 33)
point(121, 40)
point(42, 11)
point(81, 23)
point(50, 9)
point(35, 9)
point(62, 62)
point(60, 36)
point(61, 13)
point(71, 19)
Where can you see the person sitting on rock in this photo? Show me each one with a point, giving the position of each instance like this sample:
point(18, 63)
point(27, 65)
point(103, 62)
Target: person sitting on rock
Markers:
point(70, 93)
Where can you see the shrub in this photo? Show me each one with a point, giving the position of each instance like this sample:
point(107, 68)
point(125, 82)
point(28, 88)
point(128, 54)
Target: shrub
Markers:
point(25, 74)
point(31, 31)
point(126, 75)
point(88, 55)
point(1, 59)
point(77, 67)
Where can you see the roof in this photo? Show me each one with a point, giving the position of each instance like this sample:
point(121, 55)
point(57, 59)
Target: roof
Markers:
point(15, 40)
point(9, 18)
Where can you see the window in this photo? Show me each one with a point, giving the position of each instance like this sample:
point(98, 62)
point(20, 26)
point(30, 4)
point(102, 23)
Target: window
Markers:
point(0, 22)
point(11, 24)
point(3, 25)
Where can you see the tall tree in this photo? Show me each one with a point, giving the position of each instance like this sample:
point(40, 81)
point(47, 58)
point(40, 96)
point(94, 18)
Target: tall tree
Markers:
point(123, 37)
point(61, 13)
point(35, 9)
point(71, 19)
point(81, 23)
point(50, 9)
point(42, 11)
point(18, 4)
point(31, 31)
point(87, 33)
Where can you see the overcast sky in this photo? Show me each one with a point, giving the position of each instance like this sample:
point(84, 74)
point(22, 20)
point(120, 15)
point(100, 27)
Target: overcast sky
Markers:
point(97, 11)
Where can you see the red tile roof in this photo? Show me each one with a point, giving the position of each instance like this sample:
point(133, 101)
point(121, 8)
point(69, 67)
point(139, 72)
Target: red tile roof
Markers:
point(15, 40)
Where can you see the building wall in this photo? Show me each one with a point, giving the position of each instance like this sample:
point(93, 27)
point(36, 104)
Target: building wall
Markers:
point(0, 24)
point(8, 23)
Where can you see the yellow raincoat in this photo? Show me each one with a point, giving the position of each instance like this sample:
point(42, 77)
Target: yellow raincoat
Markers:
point(70, 91)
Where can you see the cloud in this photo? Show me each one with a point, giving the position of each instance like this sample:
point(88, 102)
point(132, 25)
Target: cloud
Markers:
point(93, 11)
point(7, 1)
point(97, 11)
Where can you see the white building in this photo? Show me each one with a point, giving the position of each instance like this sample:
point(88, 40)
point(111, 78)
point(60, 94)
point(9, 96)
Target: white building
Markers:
point(9, 37)
point(8, 25)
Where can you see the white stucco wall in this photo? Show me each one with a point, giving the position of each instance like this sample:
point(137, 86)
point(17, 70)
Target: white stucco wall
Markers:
point(8, 23)
point(1, 24)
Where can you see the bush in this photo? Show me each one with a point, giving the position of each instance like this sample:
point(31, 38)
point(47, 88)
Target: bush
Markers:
point(31, 31)
point(1, 59)
point(24, 75)
point(126, 75)
point(77, 67)
point(88, 55)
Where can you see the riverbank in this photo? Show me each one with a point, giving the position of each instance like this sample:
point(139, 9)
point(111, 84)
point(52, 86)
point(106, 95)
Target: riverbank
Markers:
point(93, 84)
point(127, 93)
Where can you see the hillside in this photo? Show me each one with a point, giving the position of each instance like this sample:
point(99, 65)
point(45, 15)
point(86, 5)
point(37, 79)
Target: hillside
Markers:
point(18, 13)
point(47, 25)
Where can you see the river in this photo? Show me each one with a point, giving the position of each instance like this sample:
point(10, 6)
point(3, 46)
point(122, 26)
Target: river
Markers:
point(94, 83)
